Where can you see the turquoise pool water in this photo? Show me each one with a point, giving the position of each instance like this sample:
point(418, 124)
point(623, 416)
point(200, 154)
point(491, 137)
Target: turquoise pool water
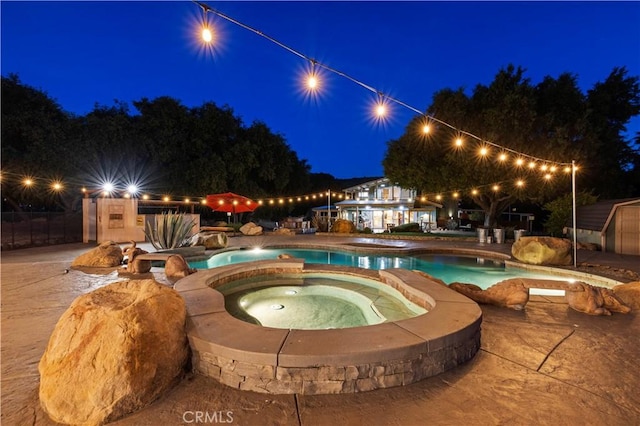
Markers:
point(449, 268)
point(315, 301)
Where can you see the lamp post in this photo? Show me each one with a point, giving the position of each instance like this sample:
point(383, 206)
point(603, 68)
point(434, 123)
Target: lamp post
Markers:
point(328, 210)
point(573, 208)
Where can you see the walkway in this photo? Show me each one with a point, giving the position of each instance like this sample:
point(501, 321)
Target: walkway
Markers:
point(545, 365)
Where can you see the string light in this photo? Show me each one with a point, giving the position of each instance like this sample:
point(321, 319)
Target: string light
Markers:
point(381, 109)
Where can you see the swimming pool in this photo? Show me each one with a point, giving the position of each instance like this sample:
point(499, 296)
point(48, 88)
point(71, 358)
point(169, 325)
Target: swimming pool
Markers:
point(449, 268)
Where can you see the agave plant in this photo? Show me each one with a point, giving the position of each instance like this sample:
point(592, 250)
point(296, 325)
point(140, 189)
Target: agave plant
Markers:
point(170, 230)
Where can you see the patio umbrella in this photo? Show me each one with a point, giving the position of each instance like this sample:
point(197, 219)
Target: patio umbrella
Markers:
point(231, 203)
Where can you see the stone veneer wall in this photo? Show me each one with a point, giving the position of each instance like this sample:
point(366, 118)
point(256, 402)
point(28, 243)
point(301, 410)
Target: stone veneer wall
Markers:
point(333, 379)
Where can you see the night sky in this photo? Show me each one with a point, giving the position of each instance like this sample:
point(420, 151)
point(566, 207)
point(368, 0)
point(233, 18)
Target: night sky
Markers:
point(83, 53)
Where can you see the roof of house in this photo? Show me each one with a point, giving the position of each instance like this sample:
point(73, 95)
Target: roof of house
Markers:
point(597, 216)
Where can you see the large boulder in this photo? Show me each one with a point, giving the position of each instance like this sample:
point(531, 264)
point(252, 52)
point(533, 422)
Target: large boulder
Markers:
point(114, 351)
point(250, 229)
point(343, 226)
point(210, 240)
point(106, 255)
point(543, 250)
point(629, 294)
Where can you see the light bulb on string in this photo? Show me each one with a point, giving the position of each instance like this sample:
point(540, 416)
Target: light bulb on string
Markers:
point(206, 34)
point(459, 142)
point(503, 157)
point(519, 183)
point(519, 162)
point(381, 109)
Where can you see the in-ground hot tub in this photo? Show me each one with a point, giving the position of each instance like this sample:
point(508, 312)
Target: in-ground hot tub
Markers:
point(395, 352)
point(315, 301)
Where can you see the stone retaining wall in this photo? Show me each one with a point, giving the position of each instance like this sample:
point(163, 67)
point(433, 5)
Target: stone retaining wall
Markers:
point(331, 379)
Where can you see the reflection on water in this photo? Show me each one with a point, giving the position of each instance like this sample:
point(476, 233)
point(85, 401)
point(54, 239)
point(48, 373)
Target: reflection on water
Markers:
point(482, 272)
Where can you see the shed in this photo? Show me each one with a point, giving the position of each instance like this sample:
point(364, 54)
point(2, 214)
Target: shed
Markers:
point(614, 225)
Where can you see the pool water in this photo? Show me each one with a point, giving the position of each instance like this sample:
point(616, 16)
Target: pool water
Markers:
point(449, 268)
point(315, 301)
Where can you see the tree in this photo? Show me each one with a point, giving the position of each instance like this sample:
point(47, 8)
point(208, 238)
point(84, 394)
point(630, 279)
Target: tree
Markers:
point(548, 121)
point(35, 132)
point(561, 211)
point(610, 158)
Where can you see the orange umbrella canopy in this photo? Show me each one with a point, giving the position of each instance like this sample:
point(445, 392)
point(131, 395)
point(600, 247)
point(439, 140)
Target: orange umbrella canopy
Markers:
point(230, 202)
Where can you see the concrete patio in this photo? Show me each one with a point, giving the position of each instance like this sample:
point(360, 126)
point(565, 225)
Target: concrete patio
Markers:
point(545, 365)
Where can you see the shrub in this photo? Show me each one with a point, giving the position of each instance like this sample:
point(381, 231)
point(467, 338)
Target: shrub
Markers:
point(407, 227)
point(169, 231)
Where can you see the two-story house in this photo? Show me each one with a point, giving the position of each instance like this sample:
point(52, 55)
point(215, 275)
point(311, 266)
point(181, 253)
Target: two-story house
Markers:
point(380, 204)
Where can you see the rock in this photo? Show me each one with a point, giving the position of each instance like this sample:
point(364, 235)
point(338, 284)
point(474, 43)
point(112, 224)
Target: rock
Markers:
point(107, 255)
point(543, 250)
point(177, 267)
point(283, 231)
point(114, 351)
point(134, 265)
point(514, 294)
point(629, 294)
point(594, 300)
point(210, 240)
point(251, 228)
point(588, 246)
point(343, 226)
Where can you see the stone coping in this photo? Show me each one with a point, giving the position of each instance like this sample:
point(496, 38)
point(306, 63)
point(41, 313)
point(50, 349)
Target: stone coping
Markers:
point(453, 321)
